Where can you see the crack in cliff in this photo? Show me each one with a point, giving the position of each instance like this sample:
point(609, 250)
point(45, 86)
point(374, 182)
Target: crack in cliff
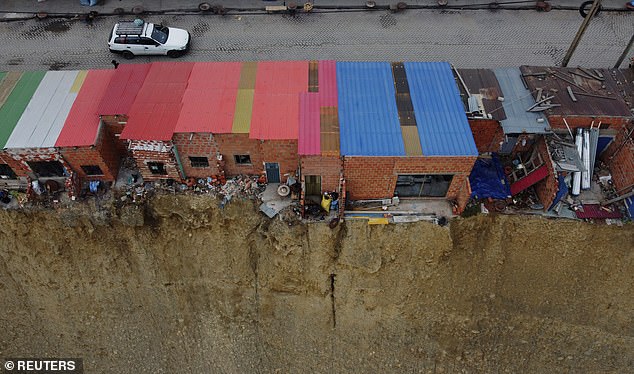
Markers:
point(254, 258)
point(332, 300)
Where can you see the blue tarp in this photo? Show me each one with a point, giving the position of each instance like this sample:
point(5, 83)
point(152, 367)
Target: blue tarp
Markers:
point(561, 191)
point(629, 203)
point(488, 179)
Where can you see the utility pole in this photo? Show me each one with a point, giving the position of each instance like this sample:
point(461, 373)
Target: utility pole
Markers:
point(627, 49)
point(582, 29)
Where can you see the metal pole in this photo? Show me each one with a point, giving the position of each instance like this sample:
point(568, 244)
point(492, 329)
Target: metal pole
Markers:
point(582, 29)
point(627, 49)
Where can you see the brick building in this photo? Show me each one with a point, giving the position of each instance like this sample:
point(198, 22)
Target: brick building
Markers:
point(86, 145)
point(32, 141)
point(241, 118)
point(404, 132)
point(152, 119)
point(16, 90)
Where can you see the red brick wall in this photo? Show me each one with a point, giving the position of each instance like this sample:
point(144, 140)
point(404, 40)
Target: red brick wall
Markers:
point(114, 126)
point(23, 155)
point(283, 152)
point(487, 133)
point(375, 177)
point(621, 162)
point(546, 189)
point(240, 144)
point(557, 122)
point(329, 168)
point(19, 168)
point(106, 154)
point(197, 145)
point(154, 151)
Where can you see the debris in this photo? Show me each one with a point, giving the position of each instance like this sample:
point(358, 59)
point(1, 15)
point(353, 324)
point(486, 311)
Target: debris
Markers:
point(571, 94)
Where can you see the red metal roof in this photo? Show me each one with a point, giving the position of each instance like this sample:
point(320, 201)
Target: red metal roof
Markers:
point(595, 211)
point(82, 124)
point(156, 109)
point(123, 88)
point(327, 74)
point(309, 124)
point(210, 98)
point(275, 112)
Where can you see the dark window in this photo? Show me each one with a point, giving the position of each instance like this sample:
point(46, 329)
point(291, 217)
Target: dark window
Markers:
point(157, 168)
point(148, 41)
point(242, 159)
point(47, 168)
point(92, 169)
point(132, 40)
point(423, 185)
point(199, 162)
point(119, 40)
point(6, 172)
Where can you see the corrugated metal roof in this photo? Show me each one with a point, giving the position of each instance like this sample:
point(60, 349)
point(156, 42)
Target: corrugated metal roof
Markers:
point(516, 100)
point(368, 117)
point(123, 88)
point(46, 112)
point(329, 127)
point(243, 111)
point(82, 124)
point(157, 106)
point(411, 140)
point(483, 82)
point(276, 99)
point(309, 139)
point(585, 105)
point(7, 84)
point(209, 101)
point(16, 102)
point(327, 76)
point(440, 116)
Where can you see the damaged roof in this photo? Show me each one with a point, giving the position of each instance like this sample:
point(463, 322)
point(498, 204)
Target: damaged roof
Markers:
point(482, 82)
point(517, 99)
point(603, 84)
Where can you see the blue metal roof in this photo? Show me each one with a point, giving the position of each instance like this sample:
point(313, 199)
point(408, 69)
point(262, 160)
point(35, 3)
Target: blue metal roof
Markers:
point(368, 117)
point(440, 116)
point(517, 99)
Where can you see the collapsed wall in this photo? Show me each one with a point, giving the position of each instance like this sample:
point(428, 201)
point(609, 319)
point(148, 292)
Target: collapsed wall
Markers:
point(182, 286)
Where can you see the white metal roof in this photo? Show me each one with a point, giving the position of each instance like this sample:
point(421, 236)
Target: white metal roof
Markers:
point(44, 116)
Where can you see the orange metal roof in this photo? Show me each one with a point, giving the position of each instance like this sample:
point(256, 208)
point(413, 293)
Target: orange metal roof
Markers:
point(157, 106)
point(82, 124)
point(276, 99)
point(210, 98)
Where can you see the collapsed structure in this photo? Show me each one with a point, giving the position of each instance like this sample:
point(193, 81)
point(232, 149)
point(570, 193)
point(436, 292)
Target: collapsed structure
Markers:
point(365, 130)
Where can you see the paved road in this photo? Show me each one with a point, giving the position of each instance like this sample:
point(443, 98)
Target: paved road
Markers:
point(469, 39)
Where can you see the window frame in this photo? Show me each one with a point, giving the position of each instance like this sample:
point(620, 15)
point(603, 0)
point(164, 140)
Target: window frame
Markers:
point(149, 165)
point(199, 163)
point(237, 159)
point(86, 168)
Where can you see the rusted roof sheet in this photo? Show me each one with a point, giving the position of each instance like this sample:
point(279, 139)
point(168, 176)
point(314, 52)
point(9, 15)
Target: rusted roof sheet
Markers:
point(483, 82)
point(626, 76)
point(157, 106)
point(123, 88)
point(329, 131)
point(276, 99)
point(82, 124)
point(309, 139)
point(209, 101)
point(557, 79)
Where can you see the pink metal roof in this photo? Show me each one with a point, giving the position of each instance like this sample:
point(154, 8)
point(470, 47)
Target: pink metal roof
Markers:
point(327, 75)
point(123, 88)
point(210, 98)
point(309, 124)
point(82, 124)
point(157, 106)
point(275, 112)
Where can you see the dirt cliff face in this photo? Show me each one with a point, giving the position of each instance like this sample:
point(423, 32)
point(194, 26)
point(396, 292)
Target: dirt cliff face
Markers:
point(183, 286)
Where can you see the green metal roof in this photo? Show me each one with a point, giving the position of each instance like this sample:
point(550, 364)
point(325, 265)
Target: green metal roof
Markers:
point(14, 106)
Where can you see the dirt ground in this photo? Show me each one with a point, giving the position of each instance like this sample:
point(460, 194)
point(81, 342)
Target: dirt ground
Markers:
point(181, 286)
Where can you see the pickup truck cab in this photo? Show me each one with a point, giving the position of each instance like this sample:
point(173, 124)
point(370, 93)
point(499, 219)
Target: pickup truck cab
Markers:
point(135, 38)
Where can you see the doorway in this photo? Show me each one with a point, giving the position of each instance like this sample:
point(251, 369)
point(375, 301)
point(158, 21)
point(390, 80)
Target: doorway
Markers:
point(272, 172)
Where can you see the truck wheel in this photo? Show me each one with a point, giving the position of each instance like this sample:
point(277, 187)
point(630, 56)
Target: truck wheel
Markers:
point(127, 55)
